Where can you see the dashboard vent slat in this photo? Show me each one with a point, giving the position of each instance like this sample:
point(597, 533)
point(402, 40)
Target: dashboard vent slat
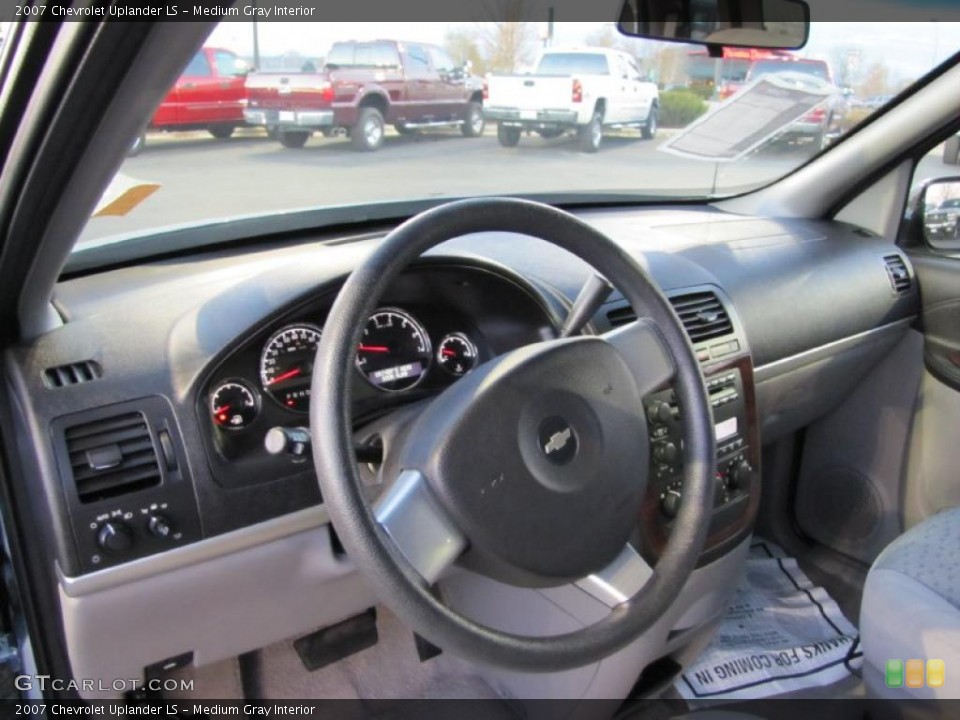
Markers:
point(898, 273)
point(75, 373)
point(702, 313)
point(112, 457)
point(703, 316)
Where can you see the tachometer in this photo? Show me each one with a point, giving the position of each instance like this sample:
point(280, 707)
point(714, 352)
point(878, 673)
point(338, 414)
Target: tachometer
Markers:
point(287, 364)
point(394, 352)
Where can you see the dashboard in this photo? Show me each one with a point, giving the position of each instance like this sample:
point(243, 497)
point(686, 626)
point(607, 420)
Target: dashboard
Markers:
point(163, 423)
point(174, 374)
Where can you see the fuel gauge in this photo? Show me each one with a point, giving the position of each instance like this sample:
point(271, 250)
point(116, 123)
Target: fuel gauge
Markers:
point(457, 354)
point(234, 405)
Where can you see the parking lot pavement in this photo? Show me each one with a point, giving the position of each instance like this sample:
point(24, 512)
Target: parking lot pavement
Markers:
point(202, 178)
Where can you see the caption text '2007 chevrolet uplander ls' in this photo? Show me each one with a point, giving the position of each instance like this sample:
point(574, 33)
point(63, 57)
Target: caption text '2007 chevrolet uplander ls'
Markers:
point(625, 371)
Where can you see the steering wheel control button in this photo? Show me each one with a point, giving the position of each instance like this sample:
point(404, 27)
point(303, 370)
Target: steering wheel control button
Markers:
point(114, 537)
point(558, 441)
point(659, 412)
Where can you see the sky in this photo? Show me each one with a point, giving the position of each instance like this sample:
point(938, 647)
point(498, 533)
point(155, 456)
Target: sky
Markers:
point(908, 49)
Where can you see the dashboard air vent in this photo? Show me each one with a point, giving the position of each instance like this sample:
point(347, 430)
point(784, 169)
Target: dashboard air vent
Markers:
point(898, 273)
point(703, 316)
point(72, 374)
point(112, 456)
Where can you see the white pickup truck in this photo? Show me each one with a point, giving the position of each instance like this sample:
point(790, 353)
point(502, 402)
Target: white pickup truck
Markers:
point(582, 89)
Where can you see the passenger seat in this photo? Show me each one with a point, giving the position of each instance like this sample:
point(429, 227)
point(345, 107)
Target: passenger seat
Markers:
point(911, 611)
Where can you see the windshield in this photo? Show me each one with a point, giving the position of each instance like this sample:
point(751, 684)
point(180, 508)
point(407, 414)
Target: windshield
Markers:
point(275, 117)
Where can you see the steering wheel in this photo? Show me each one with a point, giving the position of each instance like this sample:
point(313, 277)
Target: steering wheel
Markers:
point(530, 469)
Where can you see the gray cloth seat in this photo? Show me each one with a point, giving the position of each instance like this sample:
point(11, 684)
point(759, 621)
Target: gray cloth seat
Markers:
point(911, 606)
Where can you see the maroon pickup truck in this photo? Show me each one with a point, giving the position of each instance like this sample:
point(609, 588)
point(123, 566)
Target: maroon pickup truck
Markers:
point(362, 87)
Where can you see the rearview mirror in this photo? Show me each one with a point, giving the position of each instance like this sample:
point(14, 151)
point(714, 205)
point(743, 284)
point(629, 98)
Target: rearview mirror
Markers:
point(939, 208)
point(779, 24)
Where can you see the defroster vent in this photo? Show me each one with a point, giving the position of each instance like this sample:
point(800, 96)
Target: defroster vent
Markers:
point(112, 456)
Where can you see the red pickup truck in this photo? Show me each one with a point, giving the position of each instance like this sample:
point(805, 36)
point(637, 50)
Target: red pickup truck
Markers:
point(210, 95)
point(362, 87)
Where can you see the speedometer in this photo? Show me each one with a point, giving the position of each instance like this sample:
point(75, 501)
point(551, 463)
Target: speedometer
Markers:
point(394, 352)
point(286, 365)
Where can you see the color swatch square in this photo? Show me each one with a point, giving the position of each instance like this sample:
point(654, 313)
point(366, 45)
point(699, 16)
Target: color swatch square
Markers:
point(936, 672)
point(914, 673)
point(894, 673)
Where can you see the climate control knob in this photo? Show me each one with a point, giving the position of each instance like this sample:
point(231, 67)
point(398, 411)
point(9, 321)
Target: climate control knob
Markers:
point(159, 526)
point(114, 537)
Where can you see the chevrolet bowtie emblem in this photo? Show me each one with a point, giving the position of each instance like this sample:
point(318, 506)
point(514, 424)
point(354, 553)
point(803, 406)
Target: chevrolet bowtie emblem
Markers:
point(558, 441)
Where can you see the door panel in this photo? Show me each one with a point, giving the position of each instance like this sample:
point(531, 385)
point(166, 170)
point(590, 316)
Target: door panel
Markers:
point(934, 479)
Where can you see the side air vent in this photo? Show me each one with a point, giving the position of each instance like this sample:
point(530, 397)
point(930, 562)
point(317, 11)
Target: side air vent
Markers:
point(112, 457)
point(703, 316)
point(72, 374)
point(898, 273)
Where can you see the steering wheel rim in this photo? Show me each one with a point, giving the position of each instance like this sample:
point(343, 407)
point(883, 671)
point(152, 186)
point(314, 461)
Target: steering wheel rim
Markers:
point(395, 580)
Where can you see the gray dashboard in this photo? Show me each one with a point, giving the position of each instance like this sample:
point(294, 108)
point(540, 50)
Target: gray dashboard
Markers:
point(802, 292)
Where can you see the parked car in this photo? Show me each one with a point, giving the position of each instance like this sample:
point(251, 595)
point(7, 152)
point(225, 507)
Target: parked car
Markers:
point(825, 120)
point(584, 90)
point(942, 223)
point(362, 87)
point(210, 95)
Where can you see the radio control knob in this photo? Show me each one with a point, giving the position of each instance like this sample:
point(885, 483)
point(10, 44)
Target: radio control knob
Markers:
point(738, 476)
point(665, 453)
point(114, 537)
point(670, 503)
point(659, 412)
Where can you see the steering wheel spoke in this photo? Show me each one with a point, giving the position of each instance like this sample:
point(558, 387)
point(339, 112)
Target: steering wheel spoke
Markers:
point(421, 529)
point(620, 580)
point(643, 348)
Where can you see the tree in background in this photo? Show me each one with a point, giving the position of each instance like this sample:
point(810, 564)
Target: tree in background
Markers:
point(463, 45)
point(496, 46)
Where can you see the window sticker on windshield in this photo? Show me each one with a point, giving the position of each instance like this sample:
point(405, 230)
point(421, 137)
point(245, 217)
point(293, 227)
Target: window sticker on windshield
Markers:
point(761, 111)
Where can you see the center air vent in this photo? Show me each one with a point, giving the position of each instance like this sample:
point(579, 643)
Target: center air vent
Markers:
point(898, 273)
point(703, 315)
point(112, 457)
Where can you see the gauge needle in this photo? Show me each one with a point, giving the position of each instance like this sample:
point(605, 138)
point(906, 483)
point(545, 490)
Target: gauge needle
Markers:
point(449, 353)
point(285, 376)
point(373, 348)
point(221, 409)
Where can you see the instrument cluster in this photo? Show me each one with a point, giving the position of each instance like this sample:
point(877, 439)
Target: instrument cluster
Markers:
point(396, 354)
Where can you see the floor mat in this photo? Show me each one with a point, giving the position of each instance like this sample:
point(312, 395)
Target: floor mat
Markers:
point(781, 634)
